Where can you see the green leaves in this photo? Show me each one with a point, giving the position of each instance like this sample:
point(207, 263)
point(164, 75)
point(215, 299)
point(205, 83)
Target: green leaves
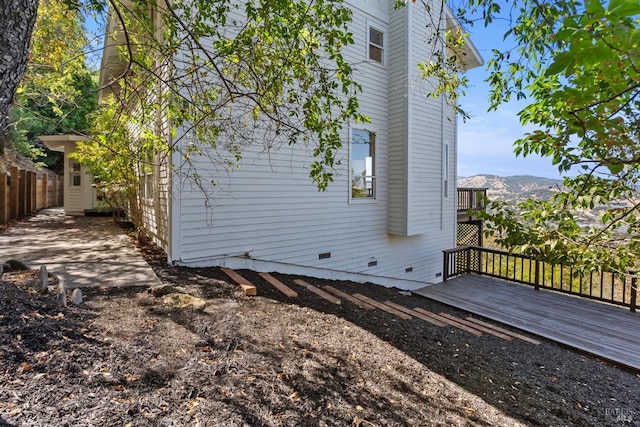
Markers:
point(580, 69)
point(58, 90)
point(624, 8)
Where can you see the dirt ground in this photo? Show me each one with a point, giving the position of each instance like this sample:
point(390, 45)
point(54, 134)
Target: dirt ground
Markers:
point(206, 355)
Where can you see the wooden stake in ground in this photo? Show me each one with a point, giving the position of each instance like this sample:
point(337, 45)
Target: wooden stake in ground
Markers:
point(348, 297)
point(414, 313)
point(247, 287)
point(450, 322)
point(279, 285)
point(43, 281)
point(383, 307)
point(504, 331)
point(317, 291)
point(62, 294)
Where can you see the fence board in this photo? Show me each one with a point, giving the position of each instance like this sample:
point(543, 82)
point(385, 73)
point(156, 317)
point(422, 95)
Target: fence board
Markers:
point(4, 198)
point(23, 192)
point(14, 198)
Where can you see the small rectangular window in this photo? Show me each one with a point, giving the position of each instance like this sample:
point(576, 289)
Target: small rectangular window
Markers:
point(363, 179)
point(376, 45)
point(146, 176)
point(75, 173)
point(445, 170)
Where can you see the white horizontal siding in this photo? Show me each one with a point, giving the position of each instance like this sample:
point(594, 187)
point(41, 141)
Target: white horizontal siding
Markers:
point(426, 135)
point(398, 122)
point(268, 214)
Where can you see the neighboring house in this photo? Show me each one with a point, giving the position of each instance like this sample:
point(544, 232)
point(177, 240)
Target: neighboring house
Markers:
point(80, 193)
point(391, 209)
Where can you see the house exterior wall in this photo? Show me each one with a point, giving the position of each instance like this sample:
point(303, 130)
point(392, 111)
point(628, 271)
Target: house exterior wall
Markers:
point(155, 206)
point(77, 198)
point(269, 216)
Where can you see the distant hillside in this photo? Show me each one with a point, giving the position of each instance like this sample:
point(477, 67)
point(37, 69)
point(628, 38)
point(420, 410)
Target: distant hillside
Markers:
point(513, 188)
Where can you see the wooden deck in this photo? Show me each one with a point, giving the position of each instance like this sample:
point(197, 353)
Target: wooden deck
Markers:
point(603, 330)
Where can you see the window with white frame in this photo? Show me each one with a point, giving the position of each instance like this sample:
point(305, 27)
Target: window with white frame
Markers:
point(146, 176)
point(75, 173)
point(445, 170)
point(376, 45)
point(362, 161)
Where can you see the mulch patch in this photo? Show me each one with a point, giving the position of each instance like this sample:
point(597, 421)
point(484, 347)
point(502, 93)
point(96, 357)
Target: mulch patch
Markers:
point(127, 357)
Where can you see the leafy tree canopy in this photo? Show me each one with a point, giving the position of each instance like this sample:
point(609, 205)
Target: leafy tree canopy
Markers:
point(209, 79)
point(58, 90)
point(229, 74)
point(578, 65)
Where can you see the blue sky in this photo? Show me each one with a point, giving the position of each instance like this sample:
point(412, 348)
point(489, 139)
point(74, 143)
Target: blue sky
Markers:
point(485, 142)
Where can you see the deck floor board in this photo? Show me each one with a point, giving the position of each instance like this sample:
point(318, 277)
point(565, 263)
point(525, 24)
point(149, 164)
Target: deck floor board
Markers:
point(603, 330)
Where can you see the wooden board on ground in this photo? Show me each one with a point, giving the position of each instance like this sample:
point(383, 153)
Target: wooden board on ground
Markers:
point(450, 322)
point(247, 287)
point(504, 331)
point(476, 326)
point(348, 297)
point(382, 306)
point(279, 285)
point(410, 312)
point(317, 291)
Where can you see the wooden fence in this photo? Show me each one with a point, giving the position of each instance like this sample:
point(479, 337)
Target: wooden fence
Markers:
point(23, 192)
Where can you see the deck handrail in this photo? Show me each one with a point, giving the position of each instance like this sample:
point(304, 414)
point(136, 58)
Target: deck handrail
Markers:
point(470, 198)
point(614, 288)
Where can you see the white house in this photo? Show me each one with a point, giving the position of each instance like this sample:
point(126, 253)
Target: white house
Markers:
point(391, 209)
point(80, 195)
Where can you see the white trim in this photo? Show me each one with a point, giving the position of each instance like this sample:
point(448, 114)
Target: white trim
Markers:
point(381, 28)
point(408, 227)
point(472, 57)
point(174, 234)
point(380, 47)
point(446, 173)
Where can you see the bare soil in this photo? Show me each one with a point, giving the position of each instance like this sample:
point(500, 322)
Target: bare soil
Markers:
point(128, 356)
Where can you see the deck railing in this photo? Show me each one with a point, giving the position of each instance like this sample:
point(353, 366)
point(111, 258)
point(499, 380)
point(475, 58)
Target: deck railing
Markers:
point(471, 199)
point(613, 288)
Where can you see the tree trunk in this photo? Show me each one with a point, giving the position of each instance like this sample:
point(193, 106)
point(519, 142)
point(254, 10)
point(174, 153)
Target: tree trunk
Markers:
point(17, 18)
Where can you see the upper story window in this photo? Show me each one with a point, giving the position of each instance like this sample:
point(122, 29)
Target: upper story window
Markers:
point(376, 45)
point(363, 179)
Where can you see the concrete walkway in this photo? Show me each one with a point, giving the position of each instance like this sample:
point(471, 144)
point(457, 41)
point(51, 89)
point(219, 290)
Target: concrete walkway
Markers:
point(83, 251)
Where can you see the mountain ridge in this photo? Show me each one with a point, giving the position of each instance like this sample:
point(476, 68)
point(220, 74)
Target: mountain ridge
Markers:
point(513, 188)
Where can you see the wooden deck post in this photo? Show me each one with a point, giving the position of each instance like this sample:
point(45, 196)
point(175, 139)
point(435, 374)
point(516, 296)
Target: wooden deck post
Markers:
point(445, 263)
point(468, 267)
point(634, 294)
point(536, 282)
point(4, 199)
